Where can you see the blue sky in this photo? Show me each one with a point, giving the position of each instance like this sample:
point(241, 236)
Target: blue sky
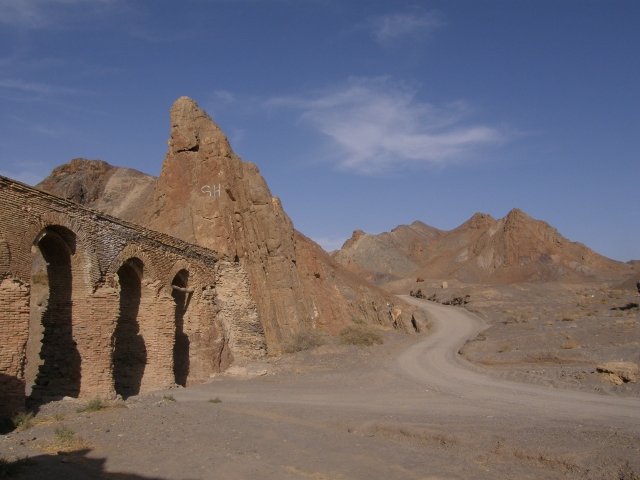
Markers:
point(360, 114)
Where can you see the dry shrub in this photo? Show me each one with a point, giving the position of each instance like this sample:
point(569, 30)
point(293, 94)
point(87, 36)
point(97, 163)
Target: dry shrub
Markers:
point(570, 344)
point(518, 318)
point(304, 340)
point(23, 421)
point(65, 440)
point(505, 349)
point(93, 406)
point(359, 335)
point(418, 435)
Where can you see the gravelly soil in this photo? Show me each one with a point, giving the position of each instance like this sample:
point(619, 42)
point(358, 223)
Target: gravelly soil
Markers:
point(411, 408)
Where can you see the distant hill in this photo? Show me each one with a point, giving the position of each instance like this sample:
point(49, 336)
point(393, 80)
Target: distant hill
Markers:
point(514, 249)
point(118, 191)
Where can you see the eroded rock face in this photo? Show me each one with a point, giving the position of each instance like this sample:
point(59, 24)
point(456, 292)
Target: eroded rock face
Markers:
point(208, 196)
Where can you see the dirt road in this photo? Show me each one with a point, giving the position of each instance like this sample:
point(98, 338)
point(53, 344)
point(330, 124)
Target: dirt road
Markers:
point(435, 362)
point(410, 408)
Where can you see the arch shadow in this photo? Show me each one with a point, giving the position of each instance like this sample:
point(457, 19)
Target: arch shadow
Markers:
point(58, 370)
point(130, 352)
point(181, 296)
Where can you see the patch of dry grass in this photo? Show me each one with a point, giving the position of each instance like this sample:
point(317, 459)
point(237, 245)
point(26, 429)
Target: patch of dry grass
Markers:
point(93, 406)
point(359, 335)
point(413, 434)
point(304, 340)
point(570, 344)
point(518, 318)
point(65, 440)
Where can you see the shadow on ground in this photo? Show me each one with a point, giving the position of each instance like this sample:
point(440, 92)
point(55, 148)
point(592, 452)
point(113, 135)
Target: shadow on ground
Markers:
point(69, 466)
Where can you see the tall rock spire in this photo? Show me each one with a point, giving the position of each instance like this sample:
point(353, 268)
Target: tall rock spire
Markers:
point(207, 195)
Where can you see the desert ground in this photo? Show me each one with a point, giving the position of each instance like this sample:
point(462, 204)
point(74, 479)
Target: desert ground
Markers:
point(411, 408)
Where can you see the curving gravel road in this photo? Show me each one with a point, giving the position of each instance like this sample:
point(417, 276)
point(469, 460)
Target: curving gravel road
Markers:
point(435, 362)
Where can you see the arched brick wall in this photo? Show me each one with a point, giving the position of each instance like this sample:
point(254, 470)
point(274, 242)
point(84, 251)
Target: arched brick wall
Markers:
point(104, 268)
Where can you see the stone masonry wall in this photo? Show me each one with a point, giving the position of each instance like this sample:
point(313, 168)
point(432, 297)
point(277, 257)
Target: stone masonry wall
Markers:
point(78, 328)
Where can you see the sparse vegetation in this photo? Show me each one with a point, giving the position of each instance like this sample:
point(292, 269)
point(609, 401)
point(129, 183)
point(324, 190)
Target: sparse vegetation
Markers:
point(215, 400)
point(65, 440)
point(570, 344)
point(505, 349)
point(304, 340)
point(168, 398)
point(23, 421)
point(93, 406)
point(518, 318)
point(359, 335)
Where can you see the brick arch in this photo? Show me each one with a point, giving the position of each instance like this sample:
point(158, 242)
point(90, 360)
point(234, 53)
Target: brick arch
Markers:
point(177, 267)
point(5, 257)
point(84, 250)
point(53, 359)
point(133, 251)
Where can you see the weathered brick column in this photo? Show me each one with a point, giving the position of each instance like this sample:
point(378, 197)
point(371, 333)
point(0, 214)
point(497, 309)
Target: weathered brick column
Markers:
point(14, 331)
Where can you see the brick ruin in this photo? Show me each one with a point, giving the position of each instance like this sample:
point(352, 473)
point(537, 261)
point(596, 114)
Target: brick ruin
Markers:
point(93, 306)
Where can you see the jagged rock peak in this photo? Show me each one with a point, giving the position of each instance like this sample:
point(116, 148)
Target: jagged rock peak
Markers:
point(479, 220)
point(357, 235)
point(517, 214)
point(192, 129)
point(82, 164)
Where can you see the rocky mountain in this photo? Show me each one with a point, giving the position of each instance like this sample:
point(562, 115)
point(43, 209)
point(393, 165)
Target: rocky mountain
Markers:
point(96, 184)
point(207, 195)
point(514, 249)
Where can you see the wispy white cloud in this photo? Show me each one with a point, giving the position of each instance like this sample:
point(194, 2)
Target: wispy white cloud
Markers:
point(35, 88)
point(377, 124)
point(389, 28)
point(38, 14)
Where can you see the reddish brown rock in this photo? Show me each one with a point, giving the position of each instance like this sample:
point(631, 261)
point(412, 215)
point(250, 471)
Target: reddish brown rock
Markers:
point(514, 249)
point(96, 184)
point(208, 196)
